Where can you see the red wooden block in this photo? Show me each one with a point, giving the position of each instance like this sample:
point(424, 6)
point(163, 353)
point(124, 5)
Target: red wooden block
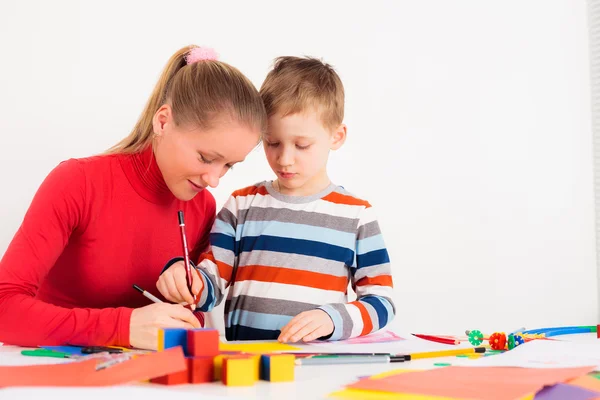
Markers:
point(177, 378)
point(201, 369)
point(598, 332)
point(202, 342)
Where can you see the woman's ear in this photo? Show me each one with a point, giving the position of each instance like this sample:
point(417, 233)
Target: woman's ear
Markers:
point(338, 137)
point(162, 117)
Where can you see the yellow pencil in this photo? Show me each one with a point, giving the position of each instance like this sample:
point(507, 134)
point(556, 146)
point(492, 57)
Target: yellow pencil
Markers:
point(444, 353)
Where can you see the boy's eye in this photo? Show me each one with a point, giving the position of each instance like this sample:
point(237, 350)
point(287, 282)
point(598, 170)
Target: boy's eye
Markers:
point(302, 147)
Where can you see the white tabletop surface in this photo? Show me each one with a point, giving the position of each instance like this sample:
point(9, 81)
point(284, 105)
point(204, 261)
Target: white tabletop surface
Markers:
point(311, 382)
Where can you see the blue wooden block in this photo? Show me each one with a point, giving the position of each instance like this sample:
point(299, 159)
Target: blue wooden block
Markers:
point(172, 337)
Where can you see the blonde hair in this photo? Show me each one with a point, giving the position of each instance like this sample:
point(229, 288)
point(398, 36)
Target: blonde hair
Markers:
point(299, 84)
point(199, 93)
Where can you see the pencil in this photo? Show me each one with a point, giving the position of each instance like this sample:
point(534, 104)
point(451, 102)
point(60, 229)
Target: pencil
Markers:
point(186, 256)
point(349, 360)
point(437, 339)
point(147, 294)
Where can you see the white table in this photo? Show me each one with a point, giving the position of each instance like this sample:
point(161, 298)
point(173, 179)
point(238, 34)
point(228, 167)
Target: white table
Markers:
point(311, 382)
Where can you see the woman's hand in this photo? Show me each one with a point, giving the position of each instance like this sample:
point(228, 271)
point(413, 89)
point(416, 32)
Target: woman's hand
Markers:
point(172, 284)
point(145, 321)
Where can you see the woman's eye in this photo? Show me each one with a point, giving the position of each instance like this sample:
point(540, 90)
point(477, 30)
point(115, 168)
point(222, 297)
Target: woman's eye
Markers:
point(205, 160)
point(272, 144)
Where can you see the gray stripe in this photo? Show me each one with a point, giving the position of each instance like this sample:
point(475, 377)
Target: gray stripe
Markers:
point(218, 292)
point(347, 322)
point(373, 271)
point(368, 230)
point(267, 306)
point(227, 216)
point(302, 217)
point(293, 261)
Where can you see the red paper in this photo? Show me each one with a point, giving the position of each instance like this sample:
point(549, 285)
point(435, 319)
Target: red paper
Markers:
point(84, 373)
point(482, 383)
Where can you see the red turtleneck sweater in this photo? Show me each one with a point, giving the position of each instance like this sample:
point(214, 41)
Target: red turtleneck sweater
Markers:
point(95, 227)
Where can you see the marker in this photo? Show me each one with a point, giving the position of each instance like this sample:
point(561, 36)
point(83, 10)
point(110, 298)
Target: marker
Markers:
point(45, 353)
point(186, 256)
point(147, 294)
point(328, 360)
point(444, 353)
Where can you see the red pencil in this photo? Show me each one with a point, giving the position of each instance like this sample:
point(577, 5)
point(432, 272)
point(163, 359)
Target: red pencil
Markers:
point(186, 256)
point(437, 339)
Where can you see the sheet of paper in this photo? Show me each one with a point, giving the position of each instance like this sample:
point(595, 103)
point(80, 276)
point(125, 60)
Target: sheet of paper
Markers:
point(10, 356)
point(564, 391)
point(546, 354)
point(377, 337)
point(587, 382)
point(84, 373)
point(473, 383)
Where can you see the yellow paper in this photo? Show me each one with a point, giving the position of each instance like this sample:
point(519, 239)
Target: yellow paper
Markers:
point(257, 348)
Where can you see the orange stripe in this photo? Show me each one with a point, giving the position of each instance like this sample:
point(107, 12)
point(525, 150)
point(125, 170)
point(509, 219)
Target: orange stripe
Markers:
point(250, 190)
point(381, 280)
point(339, 198)
point(225, 270)
point(367, 324)
point(292, 277)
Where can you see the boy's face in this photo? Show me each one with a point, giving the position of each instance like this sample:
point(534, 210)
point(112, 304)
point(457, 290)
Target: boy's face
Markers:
point(297, 148)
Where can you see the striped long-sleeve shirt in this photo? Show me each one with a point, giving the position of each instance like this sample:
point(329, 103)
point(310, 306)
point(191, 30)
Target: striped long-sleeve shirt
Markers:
point(282, 255)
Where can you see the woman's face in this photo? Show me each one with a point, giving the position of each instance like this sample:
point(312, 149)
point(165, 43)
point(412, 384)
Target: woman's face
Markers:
point(190, 158)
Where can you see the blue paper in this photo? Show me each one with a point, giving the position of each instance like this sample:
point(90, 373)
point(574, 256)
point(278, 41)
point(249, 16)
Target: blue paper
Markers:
point(65, 349)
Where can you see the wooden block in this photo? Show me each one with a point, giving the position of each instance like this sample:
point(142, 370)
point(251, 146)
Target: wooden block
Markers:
point(238, 371)
point(598, 331)
point(277, 367)
point(201, 369)
point(177, 378)
point(172, 337)
point(202, 342)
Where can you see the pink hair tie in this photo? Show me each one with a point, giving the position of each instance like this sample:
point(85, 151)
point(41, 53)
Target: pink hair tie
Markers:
point(201, 54)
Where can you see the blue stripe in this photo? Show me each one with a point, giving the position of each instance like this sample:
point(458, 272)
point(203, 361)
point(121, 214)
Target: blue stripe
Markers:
point(375, 302)
point(299, 231)
point(372, 258)
point(338, 322)
point(367, 245)
point(258, 320)
point(239, 332)
point(209, 302)
point(223, 227)
point(297, 246)
point(223, 241)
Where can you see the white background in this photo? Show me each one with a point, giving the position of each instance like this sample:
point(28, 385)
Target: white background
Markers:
point(469, 130)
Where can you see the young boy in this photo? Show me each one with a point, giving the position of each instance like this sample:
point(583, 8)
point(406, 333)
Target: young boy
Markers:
point(288, 248)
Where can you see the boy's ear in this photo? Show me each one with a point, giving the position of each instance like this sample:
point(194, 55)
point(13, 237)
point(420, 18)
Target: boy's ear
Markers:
point(338, 137)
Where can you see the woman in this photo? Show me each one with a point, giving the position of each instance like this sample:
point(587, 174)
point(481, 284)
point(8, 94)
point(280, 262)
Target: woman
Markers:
point(98, 225)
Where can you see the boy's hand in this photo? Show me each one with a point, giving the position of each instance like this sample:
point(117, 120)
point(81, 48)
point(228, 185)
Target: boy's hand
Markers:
point(172, 284)
point(307, 326)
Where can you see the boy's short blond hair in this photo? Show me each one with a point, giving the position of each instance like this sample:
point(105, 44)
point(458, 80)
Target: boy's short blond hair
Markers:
point(301, 84)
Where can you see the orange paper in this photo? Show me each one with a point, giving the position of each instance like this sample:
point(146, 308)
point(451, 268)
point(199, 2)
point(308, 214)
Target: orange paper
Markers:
point(586, 382)
point(480, 383)
point(84, 373)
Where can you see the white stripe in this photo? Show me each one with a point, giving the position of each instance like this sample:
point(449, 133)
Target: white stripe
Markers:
point(374, 290)
point(211, 268)
point(281, 291)
point(357, 324)
point(373, 315)
point(368, 215)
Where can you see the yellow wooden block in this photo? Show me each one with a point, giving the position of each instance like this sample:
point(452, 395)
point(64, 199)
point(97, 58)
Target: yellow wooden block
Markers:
point(239, 371)
point(278, 367)
point(161, 340)
point(218, 364)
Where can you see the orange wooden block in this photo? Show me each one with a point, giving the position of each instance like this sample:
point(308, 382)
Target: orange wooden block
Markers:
point(239, 371)
point(177, 378)
point(202, 342)
point(201, 369)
